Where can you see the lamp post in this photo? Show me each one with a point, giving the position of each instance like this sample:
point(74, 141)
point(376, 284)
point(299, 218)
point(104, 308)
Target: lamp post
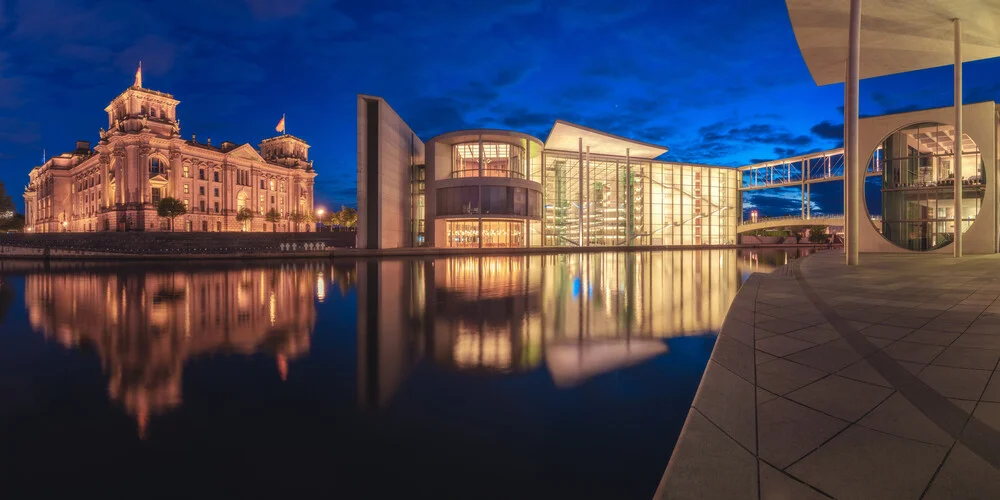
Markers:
point(319, 215)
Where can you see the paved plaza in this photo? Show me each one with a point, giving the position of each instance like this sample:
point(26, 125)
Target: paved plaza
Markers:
point(877, 381)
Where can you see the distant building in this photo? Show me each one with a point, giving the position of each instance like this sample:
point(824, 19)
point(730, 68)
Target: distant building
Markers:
point(142, 158)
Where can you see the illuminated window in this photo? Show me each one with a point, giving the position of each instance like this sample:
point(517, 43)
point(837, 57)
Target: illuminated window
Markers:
point(499, 160)
point(187, 172)
point(187, 189)
point(495, 233)
point(272, 185)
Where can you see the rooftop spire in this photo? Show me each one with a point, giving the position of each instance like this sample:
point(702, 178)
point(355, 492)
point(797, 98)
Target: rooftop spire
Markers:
point(138, 76)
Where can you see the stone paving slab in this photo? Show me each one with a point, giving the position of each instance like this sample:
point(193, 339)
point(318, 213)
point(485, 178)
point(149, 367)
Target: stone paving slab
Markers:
point(879, 381)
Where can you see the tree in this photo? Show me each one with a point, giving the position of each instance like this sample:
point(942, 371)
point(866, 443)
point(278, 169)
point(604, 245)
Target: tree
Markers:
point(299, 218)
point(171, 208)
point(817, 234)
point(346, 217)
point(9, 218)
point(6, 203)
point(273, 216)
point(243, 216)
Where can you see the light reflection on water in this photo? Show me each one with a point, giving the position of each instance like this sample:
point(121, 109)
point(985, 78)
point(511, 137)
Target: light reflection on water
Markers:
point(571, 317)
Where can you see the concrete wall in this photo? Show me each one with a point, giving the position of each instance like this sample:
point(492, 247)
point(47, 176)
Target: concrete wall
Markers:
point(979, 121)
point(384, 165)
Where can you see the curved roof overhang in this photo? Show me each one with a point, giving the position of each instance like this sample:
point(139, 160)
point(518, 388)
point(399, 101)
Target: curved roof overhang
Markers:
point(566, 136)
point(897, 36)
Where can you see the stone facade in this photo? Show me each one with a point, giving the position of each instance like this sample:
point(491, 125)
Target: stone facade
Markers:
point(142, 158)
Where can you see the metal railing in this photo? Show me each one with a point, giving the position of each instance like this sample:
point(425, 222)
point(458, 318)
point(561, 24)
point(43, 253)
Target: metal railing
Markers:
point(818, 217)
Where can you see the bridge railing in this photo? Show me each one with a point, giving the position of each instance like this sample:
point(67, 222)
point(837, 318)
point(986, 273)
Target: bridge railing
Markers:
point(818, 218)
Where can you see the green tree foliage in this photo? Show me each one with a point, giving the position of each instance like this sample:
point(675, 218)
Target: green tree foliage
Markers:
point(346, 217)
point(273, 216)
point(243, 216)
point(6, 203)
point(171, 208)
point(9, 218)
point(817, 234)
point(15, 223)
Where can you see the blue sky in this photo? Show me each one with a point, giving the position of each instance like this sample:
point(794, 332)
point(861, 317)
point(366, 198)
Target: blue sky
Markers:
point(718, 82)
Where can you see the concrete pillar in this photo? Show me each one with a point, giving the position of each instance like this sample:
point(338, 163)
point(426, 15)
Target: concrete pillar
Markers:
point(545, 211)
point(631, 196)
point(580, 179)
point(590, 192)
point(808, 201)
point(851, 172)
point(481, 191)
point(958, 138)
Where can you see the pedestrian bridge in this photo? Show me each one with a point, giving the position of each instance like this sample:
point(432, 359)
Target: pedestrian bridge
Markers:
point(834, 220)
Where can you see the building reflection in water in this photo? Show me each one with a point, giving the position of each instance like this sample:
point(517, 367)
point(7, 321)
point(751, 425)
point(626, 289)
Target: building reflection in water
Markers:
point(575, 315)
point(579, 315)
point(145, 325)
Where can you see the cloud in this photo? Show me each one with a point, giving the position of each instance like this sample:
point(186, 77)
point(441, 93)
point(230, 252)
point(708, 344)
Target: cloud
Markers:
point(828, 130)
point(758, 133)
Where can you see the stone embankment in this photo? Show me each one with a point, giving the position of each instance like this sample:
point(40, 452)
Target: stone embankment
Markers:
point(172, 245)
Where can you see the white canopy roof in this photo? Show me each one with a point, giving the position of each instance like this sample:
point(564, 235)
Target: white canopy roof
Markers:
point(897, 36)
point(566, 136)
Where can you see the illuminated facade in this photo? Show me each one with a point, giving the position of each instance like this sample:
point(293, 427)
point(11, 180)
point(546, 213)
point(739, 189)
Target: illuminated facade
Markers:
point(505, 189)
point(142, 158)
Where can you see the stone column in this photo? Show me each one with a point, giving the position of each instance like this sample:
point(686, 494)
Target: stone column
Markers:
point(142, 172)
point(959, 139)
point(851, 170)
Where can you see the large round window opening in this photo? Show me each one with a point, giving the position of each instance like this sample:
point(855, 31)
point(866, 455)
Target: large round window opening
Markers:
point(910, 186)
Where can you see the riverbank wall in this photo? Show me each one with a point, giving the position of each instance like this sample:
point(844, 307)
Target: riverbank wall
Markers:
point(241, 246)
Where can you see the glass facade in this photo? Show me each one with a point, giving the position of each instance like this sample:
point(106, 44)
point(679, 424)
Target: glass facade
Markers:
point(496, 200)
point(498, 160)
point(611, 201)
point(495, 233)
point(918, 183)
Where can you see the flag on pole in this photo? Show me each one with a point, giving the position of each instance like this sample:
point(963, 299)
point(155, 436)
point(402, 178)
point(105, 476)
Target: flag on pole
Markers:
point(281, 125)
point(138, 76)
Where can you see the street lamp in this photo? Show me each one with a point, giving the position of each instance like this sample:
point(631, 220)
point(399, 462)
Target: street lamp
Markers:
point(319, 215)
point(65, 224)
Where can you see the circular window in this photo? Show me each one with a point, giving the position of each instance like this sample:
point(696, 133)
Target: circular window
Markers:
point(910, 186)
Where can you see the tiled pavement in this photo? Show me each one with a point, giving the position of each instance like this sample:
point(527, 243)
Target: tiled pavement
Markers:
point(878, 381)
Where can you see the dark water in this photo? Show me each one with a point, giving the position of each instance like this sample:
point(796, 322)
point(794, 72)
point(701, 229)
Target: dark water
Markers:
point(482, 377)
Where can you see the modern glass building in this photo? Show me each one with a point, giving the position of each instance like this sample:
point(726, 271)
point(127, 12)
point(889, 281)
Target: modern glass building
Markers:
point(585, 188)
point(505, 189)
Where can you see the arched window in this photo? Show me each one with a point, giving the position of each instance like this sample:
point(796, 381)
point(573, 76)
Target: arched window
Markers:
point(152, 112)
point(154, 166)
